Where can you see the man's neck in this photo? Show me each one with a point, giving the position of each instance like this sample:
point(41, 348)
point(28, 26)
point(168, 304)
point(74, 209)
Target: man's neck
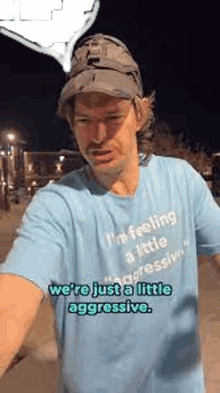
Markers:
point(123, 183)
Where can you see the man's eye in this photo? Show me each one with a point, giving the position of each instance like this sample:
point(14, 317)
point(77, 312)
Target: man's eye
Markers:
point(113, 118)
point(83, 120)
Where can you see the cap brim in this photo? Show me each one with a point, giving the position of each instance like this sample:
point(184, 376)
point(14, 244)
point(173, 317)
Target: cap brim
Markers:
point(109, 82)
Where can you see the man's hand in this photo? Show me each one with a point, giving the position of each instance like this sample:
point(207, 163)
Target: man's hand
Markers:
point(50, 27)
point(215, 261)
point(23, 353)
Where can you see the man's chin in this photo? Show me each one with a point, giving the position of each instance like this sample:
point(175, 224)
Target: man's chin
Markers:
point(113, 167)
point(106, 160)
point(104, 166)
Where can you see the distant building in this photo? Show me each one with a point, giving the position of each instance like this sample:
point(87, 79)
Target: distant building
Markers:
point(35, 169)
point(41, 167)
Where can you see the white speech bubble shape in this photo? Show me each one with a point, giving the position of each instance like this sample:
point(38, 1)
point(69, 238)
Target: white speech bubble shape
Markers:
point(51, 27)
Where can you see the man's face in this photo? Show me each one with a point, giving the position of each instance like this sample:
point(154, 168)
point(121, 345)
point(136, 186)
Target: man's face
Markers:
point(105, 129)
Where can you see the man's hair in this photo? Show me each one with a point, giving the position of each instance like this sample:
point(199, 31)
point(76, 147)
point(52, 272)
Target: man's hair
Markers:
point(143, 135)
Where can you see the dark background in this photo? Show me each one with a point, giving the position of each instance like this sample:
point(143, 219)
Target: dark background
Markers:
point(176, 45)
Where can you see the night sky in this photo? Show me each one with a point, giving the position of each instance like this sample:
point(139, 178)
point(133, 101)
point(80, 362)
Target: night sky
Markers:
point(176, 47)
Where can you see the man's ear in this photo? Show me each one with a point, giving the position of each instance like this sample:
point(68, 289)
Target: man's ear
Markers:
point(142, 108)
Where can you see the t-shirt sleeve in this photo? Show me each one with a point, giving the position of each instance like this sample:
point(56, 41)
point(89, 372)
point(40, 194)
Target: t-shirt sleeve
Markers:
point(206, 215)
point(38, 253)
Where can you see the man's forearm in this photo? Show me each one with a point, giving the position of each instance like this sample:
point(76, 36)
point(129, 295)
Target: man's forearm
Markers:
point(10, 342)
point(19, 303)
point(215, 261)
point(14, 362)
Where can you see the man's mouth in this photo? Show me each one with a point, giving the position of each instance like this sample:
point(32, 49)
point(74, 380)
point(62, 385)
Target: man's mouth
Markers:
point(101, 152)
point(103, 155)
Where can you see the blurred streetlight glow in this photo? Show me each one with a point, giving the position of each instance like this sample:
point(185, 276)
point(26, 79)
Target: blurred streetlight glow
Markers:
point(59, 166)
point(11, 137)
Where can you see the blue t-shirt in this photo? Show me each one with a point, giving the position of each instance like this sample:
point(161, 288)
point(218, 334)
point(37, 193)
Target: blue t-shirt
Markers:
point(141, 333)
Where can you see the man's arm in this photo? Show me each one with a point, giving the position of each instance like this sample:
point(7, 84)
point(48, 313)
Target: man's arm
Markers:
point(215, 261)
point(19, 303)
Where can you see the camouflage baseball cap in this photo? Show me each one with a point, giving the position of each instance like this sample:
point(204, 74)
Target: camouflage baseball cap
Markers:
point(102, 63)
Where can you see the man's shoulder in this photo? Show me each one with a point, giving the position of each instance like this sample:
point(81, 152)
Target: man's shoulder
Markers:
point(64, 191)
point(73, 178)
point(170, 159)
point(170, 167)
point(164, 161)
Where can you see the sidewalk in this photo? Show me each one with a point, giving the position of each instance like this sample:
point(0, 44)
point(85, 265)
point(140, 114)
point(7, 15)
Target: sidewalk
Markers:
point(37, 373)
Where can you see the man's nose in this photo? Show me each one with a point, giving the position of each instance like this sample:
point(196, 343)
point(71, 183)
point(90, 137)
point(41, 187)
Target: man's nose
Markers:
point(99, 132)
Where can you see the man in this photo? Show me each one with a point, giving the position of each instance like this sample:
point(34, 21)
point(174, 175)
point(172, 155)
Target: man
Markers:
point(115, 243)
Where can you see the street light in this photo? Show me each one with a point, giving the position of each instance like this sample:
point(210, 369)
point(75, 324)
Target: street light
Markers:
point(5, 148)
point(7, 140)
point(19, 167)
point(11, 137)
